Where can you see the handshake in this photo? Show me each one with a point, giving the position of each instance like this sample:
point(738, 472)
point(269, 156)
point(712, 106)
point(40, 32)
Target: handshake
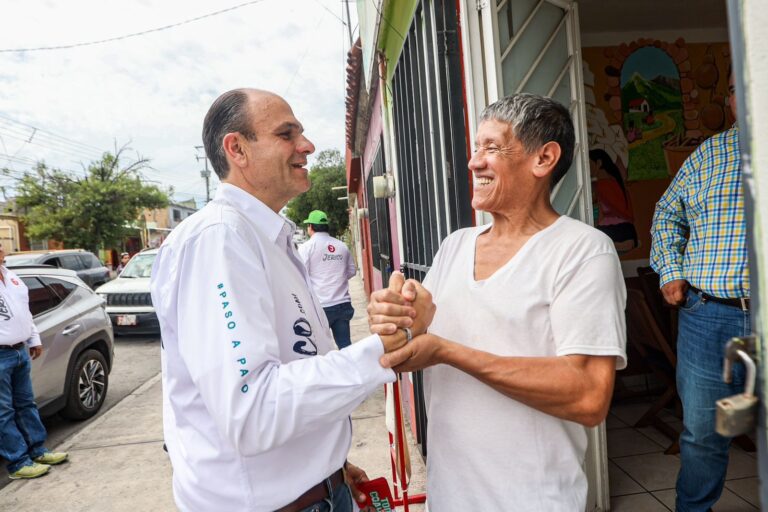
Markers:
point(404, 304)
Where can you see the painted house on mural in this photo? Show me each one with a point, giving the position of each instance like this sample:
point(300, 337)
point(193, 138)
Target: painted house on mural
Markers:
point(645, 82)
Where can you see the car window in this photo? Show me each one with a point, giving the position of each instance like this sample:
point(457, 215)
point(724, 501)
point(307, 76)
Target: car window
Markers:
point(72, 262)
point(61, 287)
point(88, 260)
point(139, 266)
point(55, 262)
point(41, 298)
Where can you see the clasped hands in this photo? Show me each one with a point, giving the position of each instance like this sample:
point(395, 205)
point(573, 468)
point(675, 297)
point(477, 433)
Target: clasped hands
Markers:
point(404, 304)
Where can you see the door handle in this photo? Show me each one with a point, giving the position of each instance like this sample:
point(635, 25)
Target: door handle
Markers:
point(70, 330)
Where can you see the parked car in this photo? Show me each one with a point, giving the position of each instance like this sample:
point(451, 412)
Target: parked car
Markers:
point(129, 303)
point(86, 264)
point(72, 374)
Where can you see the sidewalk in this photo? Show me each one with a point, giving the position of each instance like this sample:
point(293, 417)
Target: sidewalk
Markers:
point(118, 464)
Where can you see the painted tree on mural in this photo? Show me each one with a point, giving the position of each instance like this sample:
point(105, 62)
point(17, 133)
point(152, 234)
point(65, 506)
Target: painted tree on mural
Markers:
point(652, 110)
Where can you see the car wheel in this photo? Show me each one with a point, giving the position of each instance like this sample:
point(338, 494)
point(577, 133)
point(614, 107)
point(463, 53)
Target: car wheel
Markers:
point(87, 386)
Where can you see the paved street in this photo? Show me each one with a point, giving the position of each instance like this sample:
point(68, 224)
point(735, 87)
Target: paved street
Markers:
point(136, 361)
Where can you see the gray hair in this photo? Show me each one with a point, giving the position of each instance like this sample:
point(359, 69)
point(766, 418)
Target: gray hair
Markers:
point(228, 114)
point(535, 121)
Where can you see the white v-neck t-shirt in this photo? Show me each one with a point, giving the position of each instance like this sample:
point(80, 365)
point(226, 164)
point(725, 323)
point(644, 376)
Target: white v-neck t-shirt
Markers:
point(562, 293)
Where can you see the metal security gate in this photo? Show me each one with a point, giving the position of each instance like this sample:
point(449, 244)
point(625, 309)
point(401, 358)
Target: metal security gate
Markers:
point(430, 139)
point(430, 148)
point(378, 217)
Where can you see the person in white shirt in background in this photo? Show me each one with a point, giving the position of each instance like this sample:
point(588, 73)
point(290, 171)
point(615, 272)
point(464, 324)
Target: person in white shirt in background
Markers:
point(256, 401)
point(330, 267)
point(22, 434)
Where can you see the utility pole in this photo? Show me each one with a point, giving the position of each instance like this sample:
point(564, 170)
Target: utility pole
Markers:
point(205, 174)
point(349, 25)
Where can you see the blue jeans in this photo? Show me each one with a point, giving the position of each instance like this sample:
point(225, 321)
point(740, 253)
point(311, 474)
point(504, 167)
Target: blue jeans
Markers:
point(338, 318)
point(339, 501)
point(22, 434)
point(704, 329)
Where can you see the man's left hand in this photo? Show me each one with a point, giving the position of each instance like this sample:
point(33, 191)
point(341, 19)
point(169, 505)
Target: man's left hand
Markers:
point(421, 352)
point(353, 476)
point(34, 352)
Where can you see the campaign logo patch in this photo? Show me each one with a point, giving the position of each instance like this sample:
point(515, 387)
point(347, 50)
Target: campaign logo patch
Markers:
point(331, 248)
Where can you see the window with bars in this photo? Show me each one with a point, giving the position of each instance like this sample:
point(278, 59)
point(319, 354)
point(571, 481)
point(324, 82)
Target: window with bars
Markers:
point(378, 219)
point(430, 137)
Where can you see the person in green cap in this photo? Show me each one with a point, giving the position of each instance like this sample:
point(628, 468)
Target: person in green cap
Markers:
point(330, 266)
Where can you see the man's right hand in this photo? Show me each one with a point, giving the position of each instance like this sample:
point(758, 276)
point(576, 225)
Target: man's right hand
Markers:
point(402, 304)
point(674, 292)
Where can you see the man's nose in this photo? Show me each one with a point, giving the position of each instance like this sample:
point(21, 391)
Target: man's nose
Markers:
point(306, 146)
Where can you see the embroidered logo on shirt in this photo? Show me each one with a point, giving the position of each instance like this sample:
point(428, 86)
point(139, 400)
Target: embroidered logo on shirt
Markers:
point(5, 310)
point(331, 248)
point(15, 282)
point(301, 327)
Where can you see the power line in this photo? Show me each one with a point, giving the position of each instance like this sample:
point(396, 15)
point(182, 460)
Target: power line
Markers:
point(85, 146)
point(126, 36)
point(62, 150)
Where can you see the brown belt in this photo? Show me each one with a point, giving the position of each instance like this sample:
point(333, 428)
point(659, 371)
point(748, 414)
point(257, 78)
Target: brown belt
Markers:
point(742, 304)
point(17, 346)
point(315, 493)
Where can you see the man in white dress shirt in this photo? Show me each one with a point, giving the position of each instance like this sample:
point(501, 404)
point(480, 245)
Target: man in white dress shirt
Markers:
point(256, 401)
point(330, 266)
point(22, 434)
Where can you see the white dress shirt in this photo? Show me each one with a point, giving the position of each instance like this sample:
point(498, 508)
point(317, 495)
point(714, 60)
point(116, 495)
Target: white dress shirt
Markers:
point(252, 420)
point(330, 266)
point(16, 324)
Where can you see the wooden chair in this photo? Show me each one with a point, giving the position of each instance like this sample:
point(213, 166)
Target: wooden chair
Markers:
point(644, 334)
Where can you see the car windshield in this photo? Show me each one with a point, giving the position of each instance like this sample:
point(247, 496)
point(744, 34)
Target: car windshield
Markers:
point(139, 266)
point(17, 260)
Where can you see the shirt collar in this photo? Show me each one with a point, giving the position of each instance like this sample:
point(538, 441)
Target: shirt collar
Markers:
point(271, 223)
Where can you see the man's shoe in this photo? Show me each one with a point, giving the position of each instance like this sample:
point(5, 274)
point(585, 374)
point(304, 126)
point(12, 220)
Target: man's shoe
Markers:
point(51, 458)
point(33, 470)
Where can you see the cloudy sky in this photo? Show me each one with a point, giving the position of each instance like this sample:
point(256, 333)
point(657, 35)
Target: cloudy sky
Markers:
point(67, 106)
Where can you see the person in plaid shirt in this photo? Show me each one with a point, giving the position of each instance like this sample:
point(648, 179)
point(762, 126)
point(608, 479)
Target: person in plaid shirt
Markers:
point(699, 250)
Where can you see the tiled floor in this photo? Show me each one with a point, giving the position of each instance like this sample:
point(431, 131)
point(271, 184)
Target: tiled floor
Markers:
point(642, 477)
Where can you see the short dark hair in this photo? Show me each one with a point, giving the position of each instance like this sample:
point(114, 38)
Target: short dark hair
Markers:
point(320, 228)
point(228, 114)
point(535, 121)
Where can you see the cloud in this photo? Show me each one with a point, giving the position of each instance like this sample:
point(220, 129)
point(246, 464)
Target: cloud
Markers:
point(154, 90)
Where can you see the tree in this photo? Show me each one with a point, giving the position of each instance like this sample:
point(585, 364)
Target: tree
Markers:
point(327, 172)
point(88, 212)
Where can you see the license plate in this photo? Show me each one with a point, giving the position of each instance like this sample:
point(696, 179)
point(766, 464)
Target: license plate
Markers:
point(126, 320)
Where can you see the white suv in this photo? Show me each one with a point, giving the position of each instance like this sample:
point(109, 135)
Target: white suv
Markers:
point(129, 303)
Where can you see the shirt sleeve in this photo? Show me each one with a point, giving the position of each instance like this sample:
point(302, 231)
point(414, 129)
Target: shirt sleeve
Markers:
point(351, 268)
point(304, 250)
point(228, 341)
point(34, 339)
point(669, 230)
point(587, 311)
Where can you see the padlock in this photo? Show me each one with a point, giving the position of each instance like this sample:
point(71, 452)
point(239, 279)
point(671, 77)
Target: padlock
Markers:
point(737, 414)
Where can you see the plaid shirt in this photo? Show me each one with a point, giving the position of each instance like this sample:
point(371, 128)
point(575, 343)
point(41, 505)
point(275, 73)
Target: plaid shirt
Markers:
point(699, 228)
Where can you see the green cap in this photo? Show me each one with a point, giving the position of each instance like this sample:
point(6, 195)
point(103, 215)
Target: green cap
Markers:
point(316, 217)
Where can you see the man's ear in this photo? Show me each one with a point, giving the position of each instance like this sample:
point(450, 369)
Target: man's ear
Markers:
point(547, 157)
point(235, 149)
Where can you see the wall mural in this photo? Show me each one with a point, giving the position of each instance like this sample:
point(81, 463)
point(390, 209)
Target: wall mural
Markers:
point(652, 110)
point(649, 104)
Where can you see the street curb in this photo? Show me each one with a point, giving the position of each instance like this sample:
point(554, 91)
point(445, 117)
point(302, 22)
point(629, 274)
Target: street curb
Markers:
point(67, 444)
